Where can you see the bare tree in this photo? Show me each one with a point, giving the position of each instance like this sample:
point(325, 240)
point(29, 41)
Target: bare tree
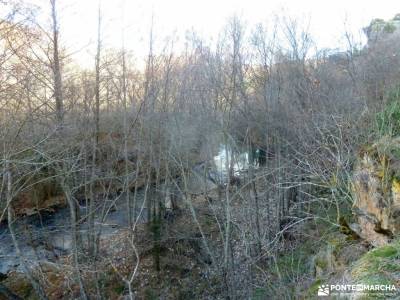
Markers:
point(56, 65)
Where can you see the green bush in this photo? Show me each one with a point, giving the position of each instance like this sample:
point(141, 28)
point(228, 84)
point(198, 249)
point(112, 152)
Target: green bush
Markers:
point(376, 25)
point(389, 28)
point(388, 120)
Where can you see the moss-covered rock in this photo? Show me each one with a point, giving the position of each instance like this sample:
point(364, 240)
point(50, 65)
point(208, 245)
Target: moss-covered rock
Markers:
point(380, 266)
point(335, 257)
point(19, 285)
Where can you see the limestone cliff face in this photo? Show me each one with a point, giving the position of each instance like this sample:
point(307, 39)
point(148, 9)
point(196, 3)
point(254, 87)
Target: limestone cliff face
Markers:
point(376, 188)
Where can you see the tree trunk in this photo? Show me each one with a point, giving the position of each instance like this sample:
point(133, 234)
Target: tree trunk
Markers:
point(58, 95)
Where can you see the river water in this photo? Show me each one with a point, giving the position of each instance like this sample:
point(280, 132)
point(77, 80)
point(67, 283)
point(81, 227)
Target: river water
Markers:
point(223, 160)
point(46, 236)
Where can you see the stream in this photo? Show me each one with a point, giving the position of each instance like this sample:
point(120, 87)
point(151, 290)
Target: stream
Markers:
point(46, 236)
point(241, 161)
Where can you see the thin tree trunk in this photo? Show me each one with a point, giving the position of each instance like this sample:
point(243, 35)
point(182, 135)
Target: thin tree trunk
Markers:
point(10, 219)
point(93, 194)
point(58, 95)
point(75, 238)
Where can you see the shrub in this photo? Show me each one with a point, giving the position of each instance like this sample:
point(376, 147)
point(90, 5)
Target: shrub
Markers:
point(388, 120)
point(389, 28)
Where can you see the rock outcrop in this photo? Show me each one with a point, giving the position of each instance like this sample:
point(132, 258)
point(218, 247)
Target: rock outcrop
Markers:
point(380, 29)
point(337, 254)
point(38, 194)
point(376, 188)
